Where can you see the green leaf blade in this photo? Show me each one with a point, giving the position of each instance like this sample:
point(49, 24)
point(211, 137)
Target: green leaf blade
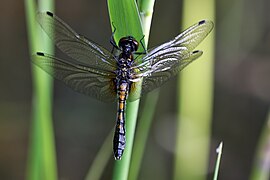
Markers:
point(125, 18)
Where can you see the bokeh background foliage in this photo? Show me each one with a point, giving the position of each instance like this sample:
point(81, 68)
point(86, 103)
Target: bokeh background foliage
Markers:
point(240, 95)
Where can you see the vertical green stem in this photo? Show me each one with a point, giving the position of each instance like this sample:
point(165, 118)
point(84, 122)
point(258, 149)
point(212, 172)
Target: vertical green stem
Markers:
point(142, 131)
point(146, 11)
point(41, 158)
point(116, 11)
point(125, 17)
point(146, 8)
point(195, 100)
point(121, 169)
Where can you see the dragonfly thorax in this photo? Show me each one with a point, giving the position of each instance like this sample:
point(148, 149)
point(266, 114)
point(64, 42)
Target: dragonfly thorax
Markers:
point(128, 45)
point(123, 71)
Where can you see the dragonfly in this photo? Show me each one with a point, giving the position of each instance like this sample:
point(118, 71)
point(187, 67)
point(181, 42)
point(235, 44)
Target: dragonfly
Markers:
point(99, 73)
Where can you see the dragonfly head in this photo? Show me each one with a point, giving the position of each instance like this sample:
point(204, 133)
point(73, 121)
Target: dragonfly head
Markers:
point(128, 43)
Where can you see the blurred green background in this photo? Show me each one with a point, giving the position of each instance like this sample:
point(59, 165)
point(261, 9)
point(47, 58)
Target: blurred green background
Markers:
point(241, 91)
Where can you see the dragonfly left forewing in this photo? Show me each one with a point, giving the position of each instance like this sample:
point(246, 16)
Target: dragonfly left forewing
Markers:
point(194, 35)
point(159, 74)
point(165, 61)
point(86, 80)
point(179, 47)
point(159, 77)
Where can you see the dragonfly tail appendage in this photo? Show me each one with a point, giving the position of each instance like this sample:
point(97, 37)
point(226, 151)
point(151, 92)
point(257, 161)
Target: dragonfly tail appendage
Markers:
point(119, 141)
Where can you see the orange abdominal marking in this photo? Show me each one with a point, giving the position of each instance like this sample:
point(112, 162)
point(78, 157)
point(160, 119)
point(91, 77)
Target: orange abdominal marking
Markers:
point(122, 97)
point(121, 105)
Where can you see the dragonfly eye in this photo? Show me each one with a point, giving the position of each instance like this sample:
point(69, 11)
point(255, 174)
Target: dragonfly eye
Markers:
point(128, 41)
point(135, 45)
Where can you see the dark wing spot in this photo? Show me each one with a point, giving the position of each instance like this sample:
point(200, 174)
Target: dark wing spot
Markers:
point(49, 13)
point(196, 52)
point(40, 54)
point(201, 22)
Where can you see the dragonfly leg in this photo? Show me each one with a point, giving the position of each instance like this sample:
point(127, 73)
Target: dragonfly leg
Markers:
point(112, 41)
point(144, 49)
point(141, 41)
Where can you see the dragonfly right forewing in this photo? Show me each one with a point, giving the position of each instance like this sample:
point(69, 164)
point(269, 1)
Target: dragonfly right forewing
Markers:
point(74, 45)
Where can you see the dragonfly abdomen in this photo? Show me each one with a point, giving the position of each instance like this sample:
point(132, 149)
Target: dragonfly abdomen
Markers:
point(119, 141)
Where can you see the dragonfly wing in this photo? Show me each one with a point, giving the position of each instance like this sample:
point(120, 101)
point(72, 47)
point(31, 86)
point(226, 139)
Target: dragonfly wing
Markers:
point(74, 45)
point(166, 60)
point(184, 43)
point(86, 80)
point(159, 77)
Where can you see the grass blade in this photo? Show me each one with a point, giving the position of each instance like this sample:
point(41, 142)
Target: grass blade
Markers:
point(41, 160)
point(219, 152)
point(195, 100)
point(146, 11)
point(142, 131)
